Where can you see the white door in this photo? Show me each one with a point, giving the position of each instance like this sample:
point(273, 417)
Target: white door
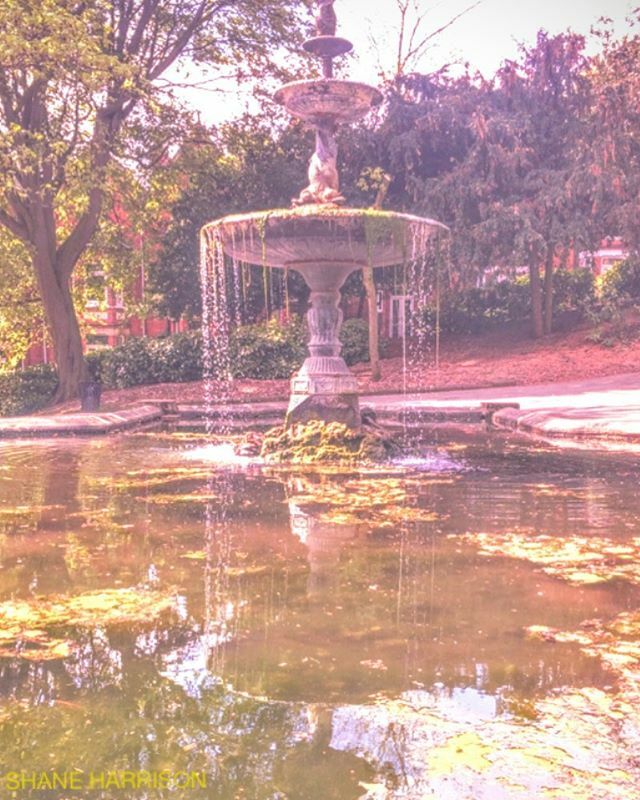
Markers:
point(400, 319)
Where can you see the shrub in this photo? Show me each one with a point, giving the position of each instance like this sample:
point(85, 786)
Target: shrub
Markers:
point(27, 390)
point(129, 364)
point(354, 336)
point(478, 308)
point(573, 290)
point(177, 358)
point(270, 350)
point(622, 281)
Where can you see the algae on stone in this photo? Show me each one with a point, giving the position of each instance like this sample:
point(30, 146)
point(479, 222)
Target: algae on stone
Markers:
point(332, 443)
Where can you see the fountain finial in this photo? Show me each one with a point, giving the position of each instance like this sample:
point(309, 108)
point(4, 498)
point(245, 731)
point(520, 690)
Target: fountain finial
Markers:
point(326, 44)
point(326, 21)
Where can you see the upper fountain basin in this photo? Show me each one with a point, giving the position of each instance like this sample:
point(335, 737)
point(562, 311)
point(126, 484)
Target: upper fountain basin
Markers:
point(317, 100)
point(323, 234)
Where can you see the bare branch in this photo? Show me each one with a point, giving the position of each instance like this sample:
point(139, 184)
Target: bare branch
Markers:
point(415, 51)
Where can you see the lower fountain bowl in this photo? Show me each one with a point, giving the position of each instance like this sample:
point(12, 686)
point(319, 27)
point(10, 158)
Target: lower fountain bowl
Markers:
point(289, 237)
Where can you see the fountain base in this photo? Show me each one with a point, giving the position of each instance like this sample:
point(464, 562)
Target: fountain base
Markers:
point(342, 408)
point(317, 442)
point(324, 389)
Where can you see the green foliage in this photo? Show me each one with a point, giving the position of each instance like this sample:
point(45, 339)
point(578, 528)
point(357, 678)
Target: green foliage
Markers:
point(20, 307)
point(317, 442)
point(611, 315)
point(478, 309)
point(129, 364)
point(573, 290)
point(622, 281)
point(27, 390)
point(505, 163)
point(86, 99)
point(263, 351)
point(245, 166)
point(354, 336)
point(268, 350)
point(143, 360)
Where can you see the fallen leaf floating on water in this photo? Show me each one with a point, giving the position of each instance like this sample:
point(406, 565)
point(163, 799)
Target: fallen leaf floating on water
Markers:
point(575, 748)
point(616, 643)
point(466, 750)
point(195, 555)
point(25, 625)
point(579, 560)
point(149, 478)
point(170, 499)
point(382, 501)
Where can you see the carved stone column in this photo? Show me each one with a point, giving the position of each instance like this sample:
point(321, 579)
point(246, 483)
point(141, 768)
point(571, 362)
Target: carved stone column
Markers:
point(324, 387)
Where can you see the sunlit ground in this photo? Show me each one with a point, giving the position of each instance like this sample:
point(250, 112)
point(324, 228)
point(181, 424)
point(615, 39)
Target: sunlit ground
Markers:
point(463, 625)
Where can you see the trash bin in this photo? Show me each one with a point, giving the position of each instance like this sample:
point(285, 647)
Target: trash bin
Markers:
point(90, 395)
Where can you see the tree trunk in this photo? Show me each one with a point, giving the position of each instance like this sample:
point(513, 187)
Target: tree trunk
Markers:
point(63, 327)
point(536, 301)
point(548, 291)
point(374, 354)
point(370, 289)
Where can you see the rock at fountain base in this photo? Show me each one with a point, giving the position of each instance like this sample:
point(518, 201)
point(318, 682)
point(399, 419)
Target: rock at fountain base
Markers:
point(317, 442)
point(342, 408)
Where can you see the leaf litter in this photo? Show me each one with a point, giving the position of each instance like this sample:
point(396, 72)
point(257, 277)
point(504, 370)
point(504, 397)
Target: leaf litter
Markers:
point(29, 629)
point(579, 560)
point(383, 502)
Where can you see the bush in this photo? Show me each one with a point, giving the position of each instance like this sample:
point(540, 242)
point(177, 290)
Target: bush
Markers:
point(270, 350)
point(477, 309)
point(622, 281)
point(138, 361)
point(177, 358)
point(267, 350)
point(573, 290)
point(27, 391)
point(354, 336)
point(355, 341)
point(129, 364)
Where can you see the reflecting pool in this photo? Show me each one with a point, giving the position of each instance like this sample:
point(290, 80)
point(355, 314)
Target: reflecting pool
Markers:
point(465, 624)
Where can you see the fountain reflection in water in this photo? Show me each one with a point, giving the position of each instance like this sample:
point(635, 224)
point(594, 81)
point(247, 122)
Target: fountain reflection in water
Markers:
point(321, 240)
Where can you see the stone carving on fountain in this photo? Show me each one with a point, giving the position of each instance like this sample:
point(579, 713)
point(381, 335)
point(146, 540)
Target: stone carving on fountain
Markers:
point(318, 237)
point(324, 183)
point(326, 104)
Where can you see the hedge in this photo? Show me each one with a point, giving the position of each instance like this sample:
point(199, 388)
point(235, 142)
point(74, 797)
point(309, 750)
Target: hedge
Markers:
point(478, 309)
point(27, 390)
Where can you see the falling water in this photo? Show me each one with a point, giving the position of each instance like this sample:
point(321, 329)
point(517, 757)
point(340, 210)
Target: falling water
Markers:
point(216, 362)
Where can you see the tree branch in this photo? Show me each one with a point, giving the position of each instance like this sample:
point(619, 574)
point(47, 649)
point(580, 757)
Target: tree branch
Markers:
point(416, 51)
point(14, 225)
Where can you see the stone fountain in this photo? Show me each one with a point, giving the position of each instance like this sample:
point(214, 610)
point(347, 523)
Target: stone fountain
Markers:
point(320, 238)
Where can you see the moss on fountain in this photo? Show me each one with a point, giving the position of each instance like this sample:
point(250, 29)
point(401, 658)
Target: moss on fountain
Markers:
point(330, 443)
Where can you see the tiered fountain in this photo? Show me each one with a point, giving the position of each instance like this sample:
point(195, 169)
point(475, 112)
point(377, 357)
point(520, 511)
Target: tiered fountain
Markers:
point(318, 237)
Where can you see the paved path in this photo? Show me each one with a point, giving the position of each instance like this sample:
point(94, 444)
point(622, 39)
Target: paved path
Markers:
point(601, 408)
point(80, 424)
point(598, 407)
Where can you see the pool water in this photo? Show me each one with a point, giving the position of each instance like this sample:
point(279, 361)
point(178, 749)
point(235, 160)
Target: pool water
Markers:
point(317, 634)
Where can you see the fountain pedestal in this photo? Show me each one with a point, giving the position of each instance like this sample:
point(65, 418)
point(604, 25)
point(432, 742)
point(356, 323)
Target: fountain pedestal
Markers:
point(324, 387)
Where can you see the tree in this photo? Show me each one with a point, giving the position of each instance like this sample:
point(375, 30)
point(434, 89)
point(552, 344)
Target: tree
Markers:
point(20, 309)
point(613, 152)
point(500, 161)
point(80, 89)
point(247, 165)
